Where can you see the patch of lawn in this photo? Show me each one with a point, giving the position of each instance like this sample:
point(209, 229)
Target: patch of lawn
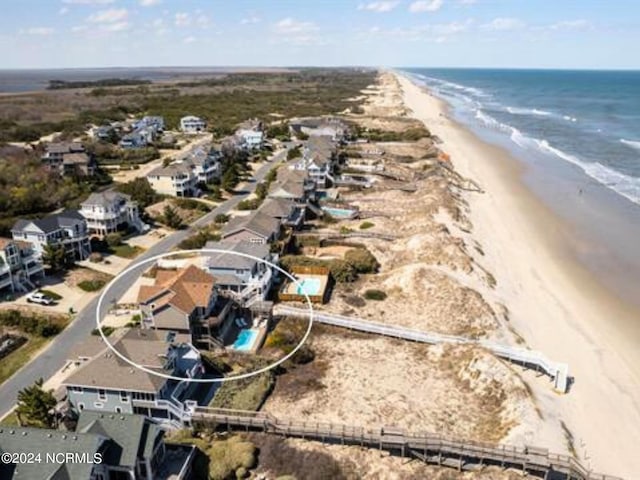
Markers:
point(15, 360)
point(10, 420)
point(125, 250)
point(91, 285)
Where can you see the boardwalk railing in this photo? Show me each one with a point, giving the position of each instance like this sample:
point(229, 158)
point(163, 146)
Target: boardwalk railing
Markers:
point(559, 372)
point(427, 447)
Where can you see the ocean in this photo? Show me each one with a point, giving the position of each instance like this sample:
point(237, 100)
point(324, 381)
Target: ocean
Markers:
point(590, 119)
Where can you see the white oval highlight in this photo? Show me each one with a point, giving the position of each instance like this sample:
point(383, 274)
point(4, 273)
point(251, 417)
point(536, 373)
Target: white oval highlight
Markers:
point(202, 380)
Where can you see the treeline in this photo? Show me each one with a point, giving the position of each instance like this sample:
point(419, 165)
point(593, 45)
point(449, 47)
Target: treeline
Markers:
point(11, 131)
point(107, 82)
point(308, 92)
point(27, 188)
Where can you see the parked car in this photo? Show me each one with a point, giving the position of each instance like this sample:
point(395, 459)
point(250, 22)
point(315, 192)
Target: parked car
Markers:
point(41, 298)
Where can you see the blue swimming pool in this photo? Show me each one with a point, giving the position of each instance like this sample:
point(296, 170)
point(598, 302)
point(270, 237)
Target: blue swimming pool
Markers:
point(309, 286)
point(339, 212)
point(245, 340)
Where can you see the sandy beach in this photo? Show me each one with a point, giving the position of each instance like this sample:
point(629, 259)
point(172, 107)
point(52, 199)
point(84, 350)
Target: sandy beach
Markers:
point(555, 304)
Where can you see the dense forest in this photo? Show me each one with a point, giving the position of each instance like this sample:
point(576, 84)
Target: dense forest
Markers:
point(27, 188)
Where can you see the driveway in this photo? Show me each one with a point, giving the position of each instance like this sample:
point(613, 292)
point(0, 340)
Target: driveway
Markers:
point(54, 357)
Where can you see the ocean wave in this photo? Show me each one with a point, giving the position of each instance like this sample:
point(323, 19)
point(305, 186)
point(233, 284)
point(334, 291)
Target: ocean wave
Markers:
point(456, 86)
point(631, 143)
point(625, 185)
point(620, 183)
point(569, 118)
point(528, 111)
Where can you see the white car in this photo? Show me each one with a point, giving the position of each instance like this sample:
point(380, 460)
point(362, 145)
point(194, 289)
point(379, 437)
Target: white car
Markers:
point(38, 297)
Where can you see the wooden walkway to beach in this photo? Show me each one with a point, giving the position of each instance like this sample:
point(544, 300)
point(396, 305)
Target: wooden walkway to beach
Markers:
point(559, 372)
point(426, 447)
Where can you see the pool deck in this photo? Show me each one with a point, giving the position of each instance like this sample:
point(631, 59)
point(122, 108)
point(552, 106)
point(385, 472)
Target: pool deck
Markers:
point(289, 291)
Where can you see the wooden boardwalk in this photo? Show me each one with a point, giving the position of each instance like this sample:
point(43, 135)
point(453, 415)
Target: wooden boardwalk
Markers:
point(426, 447)
point(558, 371)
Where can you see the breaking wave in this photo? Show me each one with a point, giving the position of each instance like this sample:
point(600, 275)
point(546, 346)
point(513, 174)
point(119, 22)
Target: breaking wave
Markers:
point(620, 183)
point(631, 143)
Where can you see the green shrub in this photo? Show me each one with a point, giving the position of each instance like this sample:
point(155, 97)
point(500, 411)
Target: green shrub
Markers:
point(374, 294)
point(199, 240)
point(91, 285)
point(362, 260)
point(113, 239)
point(30, 323)
point(345, 230)
point(191, 204)
point(221, 218)
point(342, 271)
point(244, 394)
point(228, 457)
point(106, 330)
point(249, 204)
point(366, 225)
point(52, 295)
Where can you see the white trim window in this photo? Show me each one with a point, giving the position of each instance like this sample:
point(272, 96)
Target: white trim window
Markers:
point(98, 405)
point(124, 396)
point(102, 394)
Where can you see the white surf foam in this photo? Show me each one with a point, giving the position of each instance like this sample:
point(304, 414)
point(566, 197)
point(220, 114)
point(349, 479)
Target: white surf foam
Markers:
point(631, 143)
point(624, 185)
point(528, 111)
point(620, 183)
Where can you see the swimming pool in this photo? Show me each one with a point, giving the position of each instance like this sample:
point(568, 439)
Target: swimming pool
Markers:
point(339, 212)
point(245, 340)
point(309, 286)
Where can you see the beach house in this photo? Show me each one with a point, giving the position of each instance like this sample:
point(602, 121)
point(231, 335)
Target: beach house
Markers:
point(192, 124)
point(293, 184)
point(254, 228)
point(68, 228)
point(68, 158)
point(109, 212)
point(248, 276)
point(106, 383)
point(177, 179)
point(206, 165)
point(122, 446)
point(251, 139)
point(19, 265)
point(288, 212)
point(331, 127)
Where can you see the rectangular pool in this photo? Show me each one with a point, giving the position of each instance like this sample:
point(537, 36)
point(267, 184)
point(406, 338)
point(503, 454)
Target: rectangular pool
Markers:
point(309, 286)
point(339, 212)
point(245, 340)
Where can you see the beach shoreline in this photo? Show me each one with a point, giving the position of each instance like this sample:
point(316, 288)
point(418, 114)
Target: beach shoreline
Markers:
point(555, 303)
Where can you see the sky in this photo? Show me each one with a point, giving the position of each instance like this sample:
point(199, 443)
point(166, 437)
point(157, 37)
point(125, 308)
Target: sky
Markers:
point(423, 33)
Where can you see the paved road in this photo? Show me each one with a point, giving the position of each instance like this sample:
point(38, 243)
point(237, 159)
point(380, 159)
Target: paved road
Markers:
point(56, 355)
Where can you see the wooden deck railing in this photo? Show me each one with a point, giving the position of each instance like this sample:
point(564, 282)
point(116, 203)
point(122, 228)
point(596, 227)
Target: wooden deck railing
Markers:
point(427, 447)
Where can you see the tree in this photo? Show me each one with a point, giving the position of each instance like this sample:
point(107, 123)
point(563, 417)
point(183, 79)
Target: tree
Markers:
point(171, 218)
point(229, 179)
point(294, 153)
point(114, 239)
point(35, 405)
point(56, 258)
point(140, 191)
